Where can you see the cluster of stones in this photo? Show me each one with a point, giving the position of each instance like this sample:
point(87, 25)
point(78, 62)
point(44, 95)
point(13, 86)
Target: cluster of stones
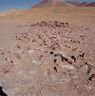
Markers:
point(54, 24)
point(49, 38)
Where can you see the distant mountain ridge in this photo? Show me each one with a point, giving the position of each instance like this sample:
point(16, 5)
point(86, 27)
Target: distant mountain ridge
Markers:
point(91, 4)
point(86, 4)
point(48, 3)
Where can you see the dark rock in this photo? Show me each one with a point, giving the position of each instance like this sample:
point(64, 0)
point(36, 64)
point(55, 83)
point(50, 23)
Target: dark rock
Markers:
point(92, 77)
point(55, 60)
point(66, 59)
point(55, 69)
point(51, 52)
point(82, 55)
point(73, 57)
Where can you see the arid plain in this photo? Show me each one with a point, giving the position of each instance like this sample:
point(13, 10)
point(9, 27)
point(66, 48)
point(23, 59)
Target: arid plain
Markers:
point(48, 51)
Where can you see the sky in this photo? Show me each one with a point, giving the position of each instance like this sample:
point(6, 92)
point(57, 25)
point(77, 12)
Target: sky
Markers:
point(6, 5)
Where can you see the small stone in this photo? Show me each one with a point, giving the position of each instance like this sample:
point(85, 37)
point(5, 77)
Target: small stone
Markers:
point(51, 52)
point(18, 46)
point(67, 66)
point(73, 57)
point(30, 51)
point(12, 61)
point(39, 49)
point(55, 69)
point(35, 62)
point(82, 55)
point(55, 60)
point(92, 77)
point(66, 59)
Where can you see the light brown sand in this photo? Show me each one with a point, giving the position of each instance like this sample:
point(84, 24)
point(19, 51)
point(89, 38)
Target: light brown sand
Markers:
point(47, 59)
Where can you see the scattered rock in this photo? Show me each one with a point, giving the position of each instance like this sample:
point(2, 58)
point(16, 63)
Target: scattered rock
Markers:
point(66, 59)
point(18, 46)
point(30, 51)
point(51, 52)
point(55, 60)
point(55, 68)
point(92, 77)
point(40, 57)
point(90, 67)
point(82, 55)
point(40, 49)
point(74, 58)
point(35, 62)
point(2, 51)
point(57, 37)
point(12, 61)
point(68, 66)
point(51, 24)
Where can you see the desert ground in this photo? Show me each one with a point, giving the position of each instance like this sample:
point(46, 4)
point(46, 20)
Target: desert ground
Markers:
point(48, 52)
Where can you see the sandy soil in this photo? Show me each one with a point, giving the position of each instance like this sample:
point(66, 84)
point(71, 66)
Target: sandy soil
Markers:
point(48, 52)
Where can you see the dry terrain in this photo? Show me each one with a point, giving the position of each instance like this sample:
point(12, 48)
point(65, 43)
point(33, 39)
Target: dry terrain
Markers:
point(48, 52)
